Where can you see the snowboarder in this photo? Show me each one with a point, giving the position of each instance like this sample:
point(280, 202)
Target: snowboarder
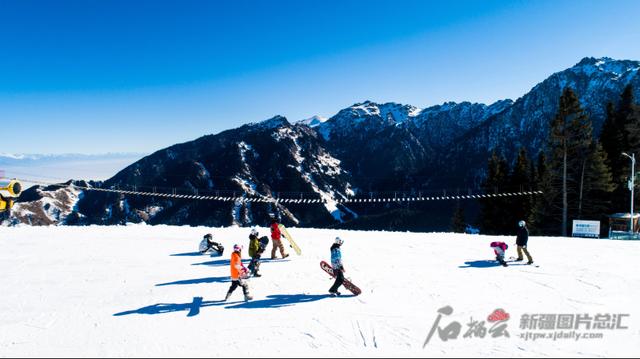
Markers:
point(238, 274)
point(336, 264)
point(499, 248)
point(521, 241)
point(207, 245)
point(276, 238)
point(256, 248)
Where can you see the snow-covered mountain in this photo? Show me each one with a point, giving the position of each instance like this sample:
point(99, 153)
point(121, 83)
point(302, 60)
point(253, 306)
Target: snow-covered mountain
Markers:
point(526, 121)
point(266, 160)
point(47, 205)
point(313, 121)
point(448, 145)
point(367, 147)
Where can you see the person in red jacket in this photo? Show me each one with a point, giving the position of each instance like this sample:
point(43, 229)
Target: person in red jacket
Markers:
point(238, 274)
point(276, 238)
point(499, 248)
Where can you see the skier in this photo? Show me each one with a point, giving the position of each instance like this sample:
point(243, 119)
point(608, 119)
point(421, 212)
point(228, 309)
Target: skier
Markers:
point(338, 268)
point(499, 248)
point(276, 238)
point(207, 245)
point(238, 274)
point(522, 240)
point(256, 248)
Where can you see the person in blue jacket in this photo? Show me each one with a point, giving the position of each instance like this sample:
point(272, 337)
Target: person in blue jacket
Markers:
point(338, 268)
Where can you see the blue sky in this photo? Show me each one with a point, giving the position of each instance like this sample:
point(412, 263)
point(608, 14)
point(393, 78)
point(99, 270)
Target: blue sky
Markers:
point(136, 76)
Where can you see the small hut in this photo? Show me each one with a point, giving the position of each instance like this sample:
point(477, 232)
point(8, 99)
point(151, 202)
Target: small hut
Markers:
point(619, 226)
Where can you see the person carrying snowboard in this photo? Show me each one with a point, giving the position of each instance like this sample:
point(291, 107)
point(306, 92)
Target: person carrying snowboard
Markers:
point(256, 248)
point(238, 274)
point(499, 248)
point(276, 237)
point(207, 245)
point(338, 268)
point(521, 241)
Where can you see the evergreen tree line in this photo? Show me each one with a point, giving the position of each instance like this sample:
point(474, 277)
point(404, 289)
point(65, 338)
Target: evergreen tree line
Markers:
point(581, 176)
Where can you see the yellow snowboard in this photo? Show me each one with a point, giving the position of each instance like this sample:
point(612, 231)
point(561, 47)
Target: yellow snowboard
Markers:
point(286, 235)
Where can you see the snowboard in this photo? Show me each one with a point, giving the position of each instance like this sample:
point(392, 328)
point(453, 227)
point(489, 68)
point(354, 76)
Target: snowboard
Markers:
point(286, 235)
point(347, 283)
point(512, 262)
point(204, 249)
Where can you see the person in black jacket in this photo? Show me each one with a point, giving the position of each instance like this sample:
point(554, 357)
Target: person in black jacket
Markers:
point(521, 242)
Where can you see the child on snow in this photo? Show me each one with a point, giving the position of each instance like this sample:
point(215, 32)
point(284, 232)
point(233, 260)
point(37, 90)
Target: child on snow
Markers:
point(276, 238)
point(207, 245)
point(499, 248)
point(256, 248)
point(238, 274)
point(338, 268)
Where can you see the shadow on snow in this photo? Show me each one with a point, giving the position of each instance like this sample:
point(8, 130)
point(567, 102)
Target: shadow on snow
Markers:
point(193, 308)
point(278, 301)
point(189, 254)
point(481, 264)
point(219, 262)
point(224, 279)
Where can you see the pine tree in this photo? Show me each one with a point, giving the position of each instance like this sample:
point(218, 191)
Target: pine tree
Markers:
point(541, 168)
point(598, 185)
point(613, 138)
point(621, 133)
point(569, 141)
point(546, 211)
point(628, 115)
point(520, 180)
point(458, 224)
point(493, 209)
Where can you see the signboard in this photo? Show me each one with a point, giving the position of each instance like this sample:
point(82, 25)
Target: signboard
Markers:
point(589, 229)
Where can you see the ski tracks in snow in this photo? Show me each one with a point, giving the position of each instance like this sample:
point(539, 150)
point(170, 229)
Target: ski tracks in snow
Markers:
point(357, 329)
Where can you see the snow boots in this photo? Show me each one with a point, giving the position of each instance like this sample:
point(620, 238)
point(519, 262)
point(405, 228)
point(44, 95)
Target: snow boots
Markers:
point(245, 289)
point(526, 252)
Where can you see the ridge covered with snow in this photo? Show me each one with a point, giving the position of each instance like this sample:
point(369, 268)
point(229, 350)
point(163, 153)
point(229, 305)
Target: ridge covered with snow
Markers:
point(367, 147)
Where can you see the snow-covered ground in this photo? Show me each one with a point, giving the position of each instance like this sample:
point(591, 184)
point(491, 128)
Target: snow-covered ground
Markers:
point(144, 291)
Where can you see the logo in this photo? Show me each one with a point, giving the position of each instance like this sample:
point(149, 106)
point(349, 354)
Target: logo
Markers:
point(498, 315)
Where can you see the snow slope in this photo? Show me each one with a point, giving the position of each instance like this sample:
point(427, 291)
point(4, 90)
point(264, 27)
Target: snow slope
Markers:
point(141, 290)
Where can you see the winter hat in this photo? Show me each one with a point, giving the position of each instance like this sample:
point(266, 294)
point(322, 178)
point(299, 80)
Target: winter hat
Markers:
point(237, 248)
point(521, 223)
point(208, 237)
point(338, 241)
point(254, 232)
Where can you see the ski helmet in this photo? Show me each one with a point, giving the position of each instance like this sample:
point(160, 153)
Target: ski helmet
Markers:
point(339, 241)
point(237, 248)
point(254, 232)
point(521, 223)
